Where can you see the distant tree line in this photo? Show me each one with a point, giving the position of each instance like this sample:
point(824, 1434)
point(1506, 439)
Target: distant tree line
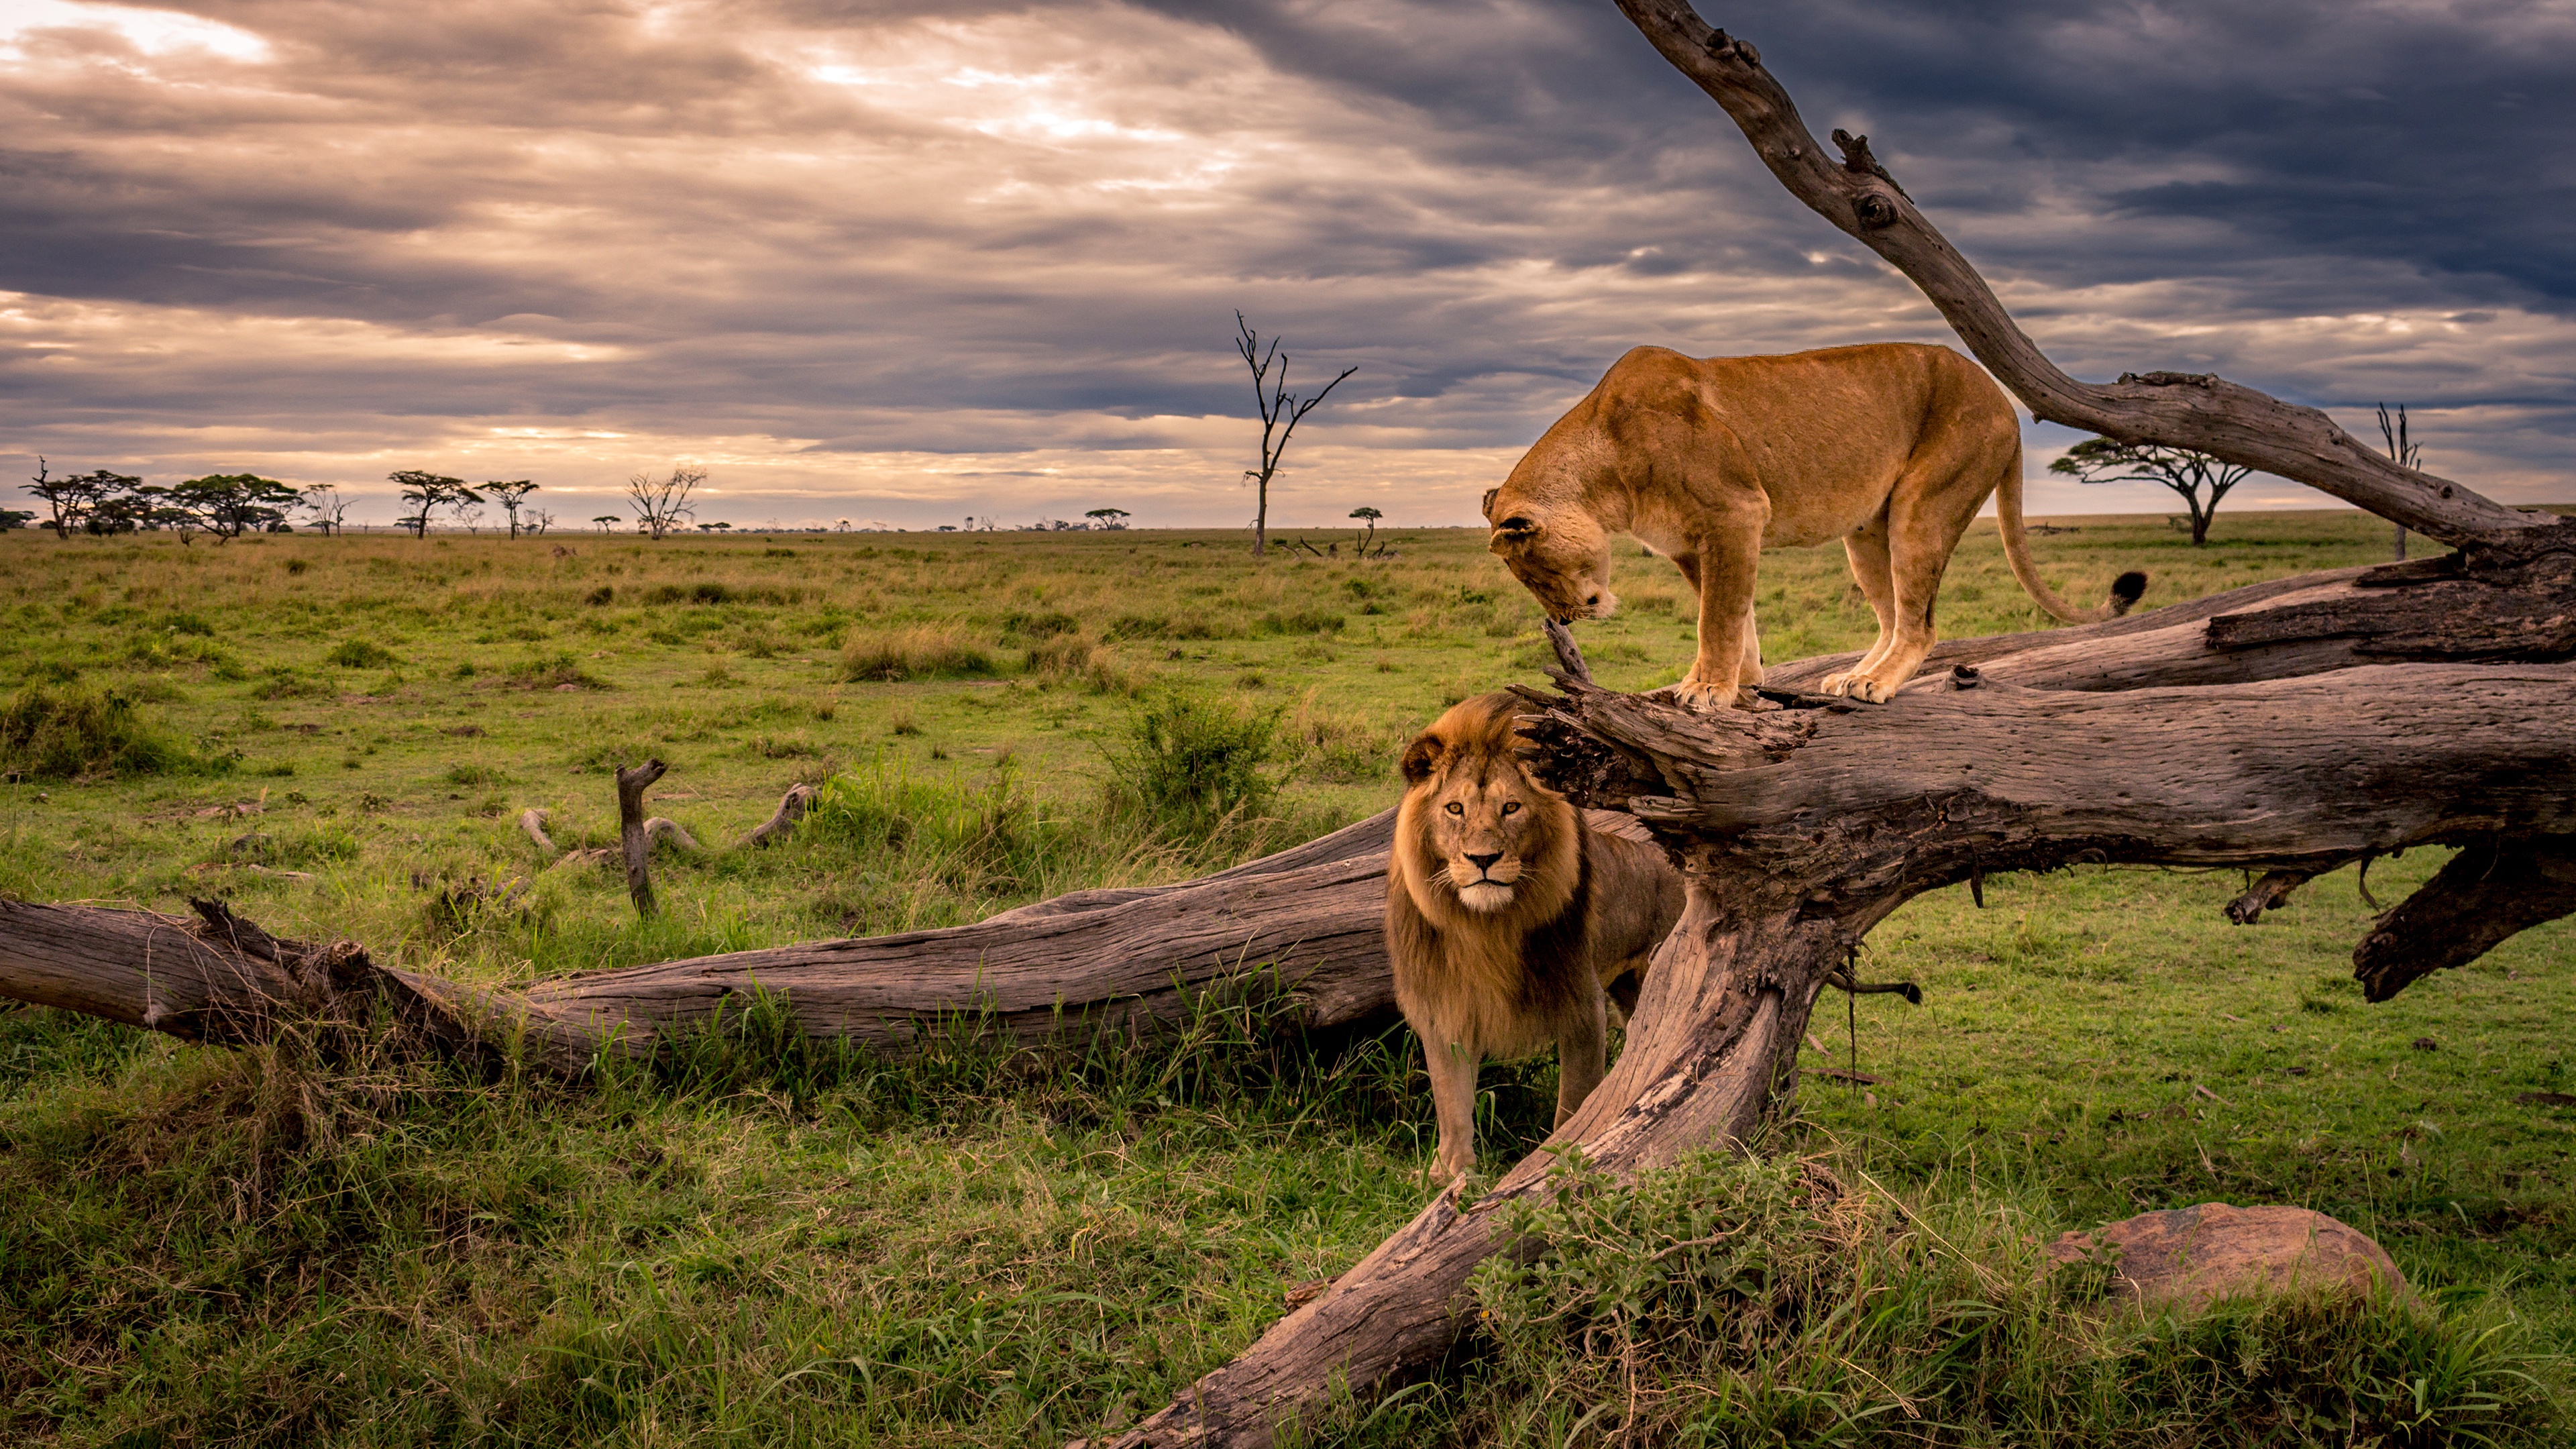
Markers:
point(227, 505)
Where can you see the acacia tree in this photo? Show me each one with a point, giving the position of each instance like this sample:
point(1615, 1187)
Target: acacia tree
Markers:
point(225, 505)
point(1372, 516)
point(427, 493)
point(511, 496)
point(1107, 517)
point(1281, 412)
point(607, 521)
point(77, 500)
point(661, 503)
point(2184, 470)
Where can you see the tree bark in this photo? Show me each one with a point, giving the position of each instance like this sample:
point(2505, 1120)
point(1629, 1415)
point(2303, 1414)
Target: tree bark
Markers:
point(1305, 921)
point(633, 833)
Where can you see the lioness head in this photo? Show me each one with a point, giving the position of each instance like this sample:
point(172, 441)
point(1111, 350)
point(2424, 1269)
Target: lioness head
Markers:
point(1561, 555)
point(1475, 830)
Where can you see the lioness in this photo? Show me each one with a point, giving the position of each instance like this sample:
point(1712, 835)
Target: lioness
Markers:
point(1507, 916)
point(1891, 448)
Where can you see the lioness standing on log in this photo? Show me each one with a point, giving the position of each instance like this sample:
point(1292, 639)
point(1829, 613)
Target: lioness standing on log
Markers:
point(1891, 447)
point(1507, 917)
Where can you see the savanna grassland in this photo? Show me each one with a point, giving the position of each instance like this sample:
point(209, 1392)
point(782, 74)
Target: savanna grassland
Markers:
point(755, 1240)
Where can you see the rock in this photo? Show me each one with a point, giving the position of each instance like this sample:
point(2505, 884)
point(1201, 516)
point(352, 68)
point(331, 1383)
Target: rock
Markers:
point(2190, 1257)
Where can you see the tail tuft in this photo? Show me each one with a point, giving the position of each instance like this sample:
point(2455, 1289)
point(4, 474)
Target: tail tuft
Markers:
point(2126, 590)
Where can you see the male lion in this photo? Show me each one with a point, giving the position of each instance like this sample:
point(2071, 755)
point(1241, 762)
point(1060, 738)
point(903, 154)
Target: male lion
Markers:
point(1507, 916)
point(1890, 447)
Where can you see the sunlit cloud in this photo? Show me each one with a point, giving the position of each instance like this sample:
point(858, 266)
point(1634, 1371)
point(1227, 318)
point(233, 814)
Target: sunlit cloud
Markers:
point(909, 263)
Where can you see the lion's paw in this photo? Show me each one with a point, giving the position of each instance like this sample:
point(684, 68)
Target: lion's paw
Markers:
point(1701, 698)
point(1855, 685)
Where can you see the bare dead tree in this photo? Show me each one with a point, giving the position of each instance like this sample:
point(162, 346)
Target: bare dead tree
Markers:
point(1281, 412)
point(661, 504)
point(327, 506)
point(2401, 451)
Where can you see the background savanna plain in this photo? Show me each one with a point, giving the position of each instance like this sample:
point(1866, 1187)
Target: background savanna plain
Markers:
point(760, 1240)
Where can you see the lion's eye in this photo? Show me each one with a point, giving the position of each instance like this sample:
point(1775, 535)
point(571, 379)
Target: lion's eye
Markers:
point(1457, 809)
point(1511, 807)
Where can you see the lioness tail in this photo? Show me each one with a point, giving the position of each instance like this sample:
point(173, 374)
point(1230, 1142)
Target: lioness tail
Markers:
point(2126, 590)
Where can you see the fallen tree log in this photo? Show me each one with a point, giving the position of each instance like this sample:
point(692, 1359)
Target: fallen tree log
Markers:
point(1306, 920)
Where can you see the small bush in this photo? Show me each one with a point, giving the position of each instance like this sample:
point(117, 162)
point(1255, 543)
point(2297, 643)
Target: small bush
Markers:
point(1072, 659)
point(361, 654)
point(603, 595)
point(1190, 765)
point(64, 733)
point(922, 651)
point(1040, 625)
point(553, 671)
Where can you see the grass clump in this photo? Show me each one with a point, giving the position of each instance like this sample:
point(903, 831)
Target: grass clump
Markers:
point(553, 671)
point(1190, 765)
point(361, 654)
point(919, 651)
point(71, 732)
point(946, 851)
point(1735, 1300)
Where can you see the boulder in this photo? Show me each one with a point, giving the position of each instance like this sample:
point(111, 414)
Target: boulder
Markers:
point(2189, 1257)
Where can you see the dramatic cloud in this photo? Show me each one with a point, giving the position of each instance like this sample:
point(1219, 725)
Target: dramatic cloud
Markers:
point(906, 262)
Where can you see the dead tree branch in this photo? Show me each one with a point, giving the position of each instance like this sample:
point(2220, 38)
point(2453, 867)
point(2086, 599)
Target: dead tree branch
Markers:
point(2209, 414)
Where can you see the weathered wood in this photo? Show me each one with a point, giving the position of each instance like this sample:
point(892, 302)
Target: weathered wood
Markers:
point(2184, 410)
point(2515, 600)
point(1306, 921)
point(2269, 893)
point(2494, 889)
point(636, 840)
point(791, 808)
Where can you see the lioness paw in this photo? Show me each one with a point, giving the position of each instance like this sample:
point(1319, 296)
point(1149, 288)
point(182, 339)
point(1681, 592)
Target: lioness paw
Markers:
point(1854, 685)
point(1702, 698)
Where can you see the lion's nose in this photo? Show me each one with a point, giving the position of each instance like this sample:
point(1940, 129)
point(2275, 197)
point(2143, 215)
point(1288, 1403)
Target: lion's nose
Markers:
point(1485, 863)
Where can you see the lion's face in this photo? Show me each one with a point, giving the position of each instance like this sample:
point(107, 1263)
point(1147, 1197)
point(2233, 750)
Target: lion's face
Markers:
point(1475, 819)
point(1562, 556)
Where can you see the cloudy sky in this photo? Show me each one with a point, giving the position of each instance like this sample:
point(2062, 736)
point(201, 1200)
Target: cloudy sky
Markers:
point(896, 261)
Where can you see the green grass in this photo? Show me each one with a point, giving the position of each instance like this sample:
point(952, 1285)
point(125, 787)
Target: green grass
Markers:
point(756, 1239)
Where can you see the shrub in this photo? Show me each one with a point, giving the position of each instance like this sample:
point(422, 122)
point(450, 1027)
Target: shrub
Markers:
point(1190, 764)
point(361, 654)
point(62, 733)
point(921, 651)
point(1045, 625)
point(1736, 1300)
point(604, 594)
point(553, 671)
point(1072, 659)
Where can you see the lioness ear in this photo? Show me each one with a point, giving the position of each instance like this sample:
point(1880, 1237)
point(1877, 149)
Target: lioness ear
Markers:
point(1420, 759)
point(1487, 507)
point(1519, 528)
